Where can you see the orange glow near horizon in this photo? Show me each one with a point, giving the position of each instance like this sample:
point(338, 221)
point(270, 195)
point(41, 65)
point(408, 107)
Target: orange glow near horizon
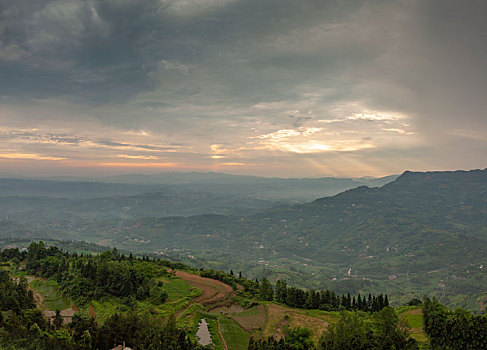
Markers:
point(29, 156)
point(138, 165)
point(70, 166)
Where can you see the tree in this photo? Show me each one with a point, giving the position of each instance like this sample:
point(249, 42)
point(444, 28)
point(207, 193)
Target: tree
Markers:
point(414, 302)
point(299, 338)
point(281, 289)
point(390, 334)
point(265, 290)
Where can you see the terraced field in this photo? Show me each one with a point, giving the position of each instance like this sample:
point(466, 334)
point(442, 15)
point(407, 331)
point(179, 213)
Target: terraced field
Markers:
point(213, 291)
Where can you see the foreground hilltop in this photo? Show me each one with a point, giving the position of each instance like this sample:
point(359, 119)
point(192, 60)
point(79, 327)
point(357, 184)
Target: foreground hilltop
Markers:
point(55, 300)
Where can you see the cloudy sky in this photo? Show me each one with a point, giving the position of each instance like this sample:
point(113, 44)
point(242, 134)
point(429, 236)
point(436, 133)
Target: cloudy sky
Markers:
point(274, 88)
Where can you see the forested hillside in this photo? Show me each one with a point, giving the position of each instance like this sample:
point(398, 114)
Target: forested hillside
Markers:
point(51, 299)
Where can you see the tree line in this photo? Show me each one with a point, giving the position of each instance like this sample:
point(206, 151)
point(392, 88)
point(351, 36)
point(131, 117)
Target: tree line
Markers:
point(88, 277)
point(323, 299)
point(300, 298)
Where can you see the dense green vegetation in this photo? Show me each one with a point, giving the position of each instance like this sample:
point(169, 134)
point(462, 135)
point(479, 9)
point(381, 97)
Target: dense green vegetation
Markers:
point(235, 337)
point(295, 339)
point(324, 299)
point(421, 233)
point(92, 277)
point(453, 330)
point(53, 296)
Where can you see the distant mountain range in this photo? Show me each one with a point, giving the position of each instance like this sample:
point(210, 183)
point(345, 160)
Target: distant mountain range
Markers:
point(266, 188)
point(169, 194)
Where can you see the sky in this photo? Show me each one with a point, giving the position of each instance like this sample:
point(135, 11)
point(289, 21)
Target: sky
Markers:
point(288, 88)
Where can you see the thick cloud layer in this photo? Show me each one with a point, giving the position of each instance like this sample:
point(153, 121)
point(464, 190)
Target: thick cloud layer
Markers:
point(288, 88)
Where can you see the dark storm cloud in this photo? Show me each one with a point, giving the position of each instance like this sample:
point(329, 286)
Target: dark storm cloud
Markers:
point(107, 50)
point(77, 49)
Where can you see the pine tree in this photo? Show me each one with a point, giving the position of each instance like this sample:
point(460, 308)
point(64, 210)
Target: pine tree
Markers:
point(265, 290)
point(359, 302)
point(280, 291)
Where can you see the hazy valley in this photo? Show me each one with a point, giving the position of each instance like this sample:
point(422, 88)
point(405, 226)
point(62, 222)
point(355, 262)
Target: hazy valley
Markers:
point(421, 233)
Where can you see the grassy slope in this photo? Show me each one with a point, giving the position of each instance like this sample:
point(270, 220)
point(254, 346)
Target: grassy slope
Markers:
point(235, 336)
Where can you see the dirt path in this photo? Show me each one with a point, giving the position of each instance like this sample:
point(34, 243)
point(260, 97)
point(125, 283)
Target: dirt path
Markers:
point(225, 347)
